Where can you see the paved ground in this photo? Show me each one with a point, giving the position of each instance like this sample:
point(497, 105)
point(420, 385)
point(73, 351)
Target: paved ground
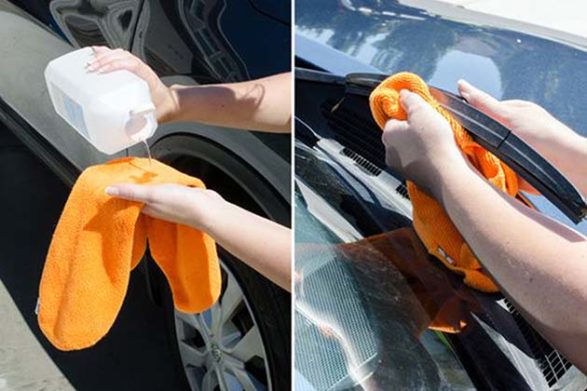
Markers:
point(135, 355)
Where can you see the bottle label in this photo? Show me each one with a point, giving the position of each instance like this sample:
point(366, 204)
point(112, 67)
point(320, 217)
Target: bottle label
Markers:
point(74, 113)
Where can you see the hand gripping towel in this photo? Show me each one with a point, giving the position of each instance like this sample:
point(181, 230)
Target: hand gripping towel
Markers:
point(99, 239)
point(432, 224)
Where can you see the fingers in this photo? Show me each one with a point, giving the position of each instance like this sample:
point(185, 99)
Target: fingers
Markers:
point(525, 186)
point(481, 100)
point(390, 139)
point(129, 64)
point(131, 192)
point(104, 51)
point(150, 211)
point(393, 126)
point(100, 49)
point(107, 60)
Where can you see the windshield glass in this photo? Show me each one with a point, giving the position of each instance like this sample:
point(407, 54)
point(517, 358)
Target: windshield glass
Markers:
point(369, 298)
point(388, 37)
point(358, 319)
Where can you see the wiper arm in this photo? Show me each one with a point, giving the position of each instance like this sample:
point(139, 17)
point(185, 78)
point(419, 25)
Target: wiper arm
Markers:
point(499, 140)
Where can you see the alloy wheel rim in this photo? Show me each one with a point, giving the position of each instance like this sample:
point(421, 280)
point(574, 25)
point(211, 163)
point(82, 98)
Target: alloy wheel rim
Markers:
point(222, 348)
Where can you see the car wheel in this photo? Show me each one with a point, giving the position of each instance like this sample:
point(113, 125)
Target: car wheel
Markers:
point(222, 348)
point(261, 306)
point(237, 344)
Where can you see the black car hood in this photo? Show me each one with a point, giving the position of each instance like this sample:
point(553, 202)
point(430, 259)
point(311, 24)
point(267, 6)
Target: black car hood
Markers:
point(387, 37)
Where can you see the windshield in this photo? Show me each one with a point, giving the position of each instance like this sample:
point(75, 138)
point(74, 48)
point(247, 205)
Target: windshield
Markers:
point(357, 318)
point(387, 37)
point(369, 298)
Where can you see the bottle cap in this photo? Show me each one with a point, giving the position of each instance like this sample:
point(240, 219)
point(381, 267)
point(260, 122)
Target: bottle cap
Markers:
point(142, 123)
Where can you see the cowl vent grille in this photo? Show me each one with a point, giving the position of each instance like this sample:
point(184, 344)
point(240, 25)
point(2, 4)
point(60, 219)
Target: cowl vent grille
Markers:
point(552, 364)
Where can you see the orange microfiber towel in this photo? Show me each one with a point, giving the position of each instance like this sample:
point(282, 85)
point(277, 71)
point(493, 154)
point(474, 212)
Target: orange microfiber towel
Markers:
point(99, 239)
point(437, 232)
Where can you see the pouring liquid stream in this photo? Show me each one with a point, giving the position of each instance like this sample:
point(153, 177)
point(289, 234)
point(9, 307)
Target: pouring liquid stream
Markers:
point(148, 152)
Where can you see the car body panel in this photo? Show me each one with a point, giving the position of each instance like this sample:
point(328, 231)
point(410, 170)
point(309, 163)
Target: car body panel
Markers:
point(23, 88)
point(28, 46)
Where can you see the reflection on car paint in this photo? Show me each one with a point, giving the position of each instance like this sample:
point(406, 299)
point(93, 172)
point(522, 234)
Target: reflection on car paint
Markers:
point(510, 65)
point(96, 23)
point(187, 37)
point(202, 18)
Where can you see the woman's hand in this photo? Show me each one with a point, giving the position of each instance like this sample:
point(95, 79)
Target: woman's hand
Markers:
point(421, 147)
point(108, 60)
point(262, 104)
point(559, 144)
point(175, 203)
point(260, 243)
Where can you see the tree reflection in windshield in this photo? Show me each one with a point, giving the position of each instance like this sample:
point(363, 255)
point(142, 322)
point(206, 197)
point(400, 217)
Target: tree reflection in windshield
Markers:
point(394, 37)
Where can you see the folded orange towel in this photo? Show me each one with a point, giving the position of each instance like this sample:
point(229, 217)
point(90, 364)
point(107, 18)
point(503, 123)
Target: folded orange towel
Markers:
point(437, 232)
point(99, 239)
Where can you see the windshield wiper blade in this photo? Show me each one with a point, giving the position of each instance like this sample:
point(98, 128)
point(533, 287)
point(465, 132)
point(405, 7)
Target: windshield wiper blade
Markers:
point(483, 129)
point(499, 140)
point(514, 152)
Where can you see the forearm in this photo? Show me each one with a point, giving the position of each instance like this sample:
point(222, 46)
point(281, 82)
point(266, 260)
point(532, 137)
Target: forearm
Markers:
point(263, 104)
point(540, 264)
point(573, 158)
point(260, 243)
point(562, 147)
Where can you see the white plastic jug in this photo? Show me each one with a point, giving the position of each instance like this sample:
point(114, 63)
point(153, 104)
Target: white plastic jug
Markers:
point(113, 111)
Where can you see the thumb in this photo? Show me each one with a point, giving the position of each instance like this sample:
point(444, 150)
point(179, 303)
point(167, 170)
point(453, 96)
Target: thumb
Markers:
point(391, 128)
point(411, 101)
point(481, 100)
point(394, 125)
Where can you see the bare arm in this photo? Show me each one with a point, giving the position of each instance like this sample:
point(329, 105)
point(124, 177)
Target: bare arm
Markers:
point(540, 264)
point(262, 104)
point(260, 243)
